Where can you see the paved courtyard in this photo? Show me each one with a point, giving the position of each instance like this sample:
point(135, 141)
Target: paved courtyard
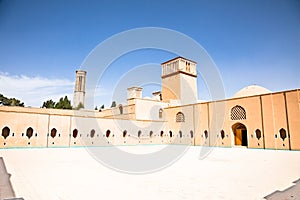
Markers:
point(227, 173)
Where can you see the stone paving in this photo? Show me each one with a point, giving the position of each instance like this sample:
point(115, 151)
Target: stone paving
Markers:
point(226, 173)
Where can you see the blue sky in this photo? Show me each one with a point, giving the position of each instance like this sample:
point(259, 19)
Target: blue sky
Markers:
point(42, 43)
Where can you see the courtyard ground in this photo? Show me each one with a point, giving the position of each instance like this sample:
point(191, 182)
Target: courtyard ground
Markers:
point(226, 173)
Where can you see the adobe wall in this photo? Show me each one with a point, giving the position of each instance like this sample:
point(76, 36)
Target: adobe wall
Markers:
point(171, 87)
point(252, 122)
point(266, 115)
point(213, 118)
point(16, 122)
point(202, 124)
point(276, 116)
point(182, 132)
point(293, 114)
point(64, 128)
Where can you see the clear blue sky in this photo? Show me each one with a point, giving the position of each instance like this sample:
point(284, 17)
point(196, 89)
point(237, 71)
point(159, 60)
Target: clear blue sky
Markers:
point(251, 42)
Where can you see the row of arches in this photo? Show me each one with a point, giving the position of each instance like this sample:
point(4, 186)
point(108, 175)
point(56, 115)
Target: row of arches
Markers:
point(180, 134)
point(125, 134)
point(29, 133)
point(241, 137)
point(239, 131)
point(53, 133)
point(240, 134)
point(92, 133)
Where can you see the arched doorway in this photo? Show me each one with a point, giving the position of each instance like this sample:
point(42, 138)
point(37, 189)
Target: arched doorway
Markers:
point(240, 134)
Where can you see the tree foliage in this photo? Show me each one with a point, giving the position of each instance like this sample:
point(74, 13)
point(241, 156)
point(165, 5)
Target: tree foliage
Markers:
point(63, 103)
point(49, 104)
point(10, 101)
point(80, 105)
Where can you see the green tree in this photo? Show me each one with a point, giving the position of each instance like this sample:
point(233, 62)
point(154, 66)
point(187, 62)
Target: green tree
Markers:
point(49, 104)
point(64, 103)
point(16, 102)
point(80, 105)
point(113, 104)
point(10, 101)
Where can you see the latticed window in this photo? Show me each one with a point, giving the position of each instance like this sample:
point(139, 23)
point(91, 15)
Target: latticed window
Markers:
point(179, 117)
point(238, 113)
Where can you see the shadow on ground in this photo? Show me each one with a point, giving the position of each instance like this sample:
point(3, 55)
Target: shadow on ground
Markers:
point(291, 193)
point(6, 189)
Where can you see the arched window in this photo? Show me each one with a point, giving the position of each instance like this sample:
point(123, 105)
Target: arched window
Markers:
point(29, 132)
point(258, 134)
point(92, 133)
point(222, 134)
point(107, 133)
point(160, 113)
point(161, 134)
point(171, 134)
point(192, 134)
point(139, 133)
point(205, 134)
point(151, 134)
point(53, 133)
point(282, 134)
point(5, 132)
point(124, 133)
point(238, 113)
point(121, 109)
point(180, 117)
point(75, 133)
point(180, 134)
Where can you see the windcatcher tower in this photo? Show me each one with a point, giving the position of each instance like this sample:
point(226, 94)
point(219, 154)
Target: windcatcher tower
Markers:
point(179, 81)
point(79, 91)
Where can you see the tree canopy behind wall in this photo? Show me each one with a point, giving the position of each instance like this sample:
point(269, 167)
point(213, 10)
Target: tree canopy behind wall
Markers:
point(10, 101)
point(63, 103)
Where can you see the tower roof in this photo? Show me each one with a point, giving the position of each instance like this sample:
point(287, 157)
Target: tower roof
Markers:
point(178, 58)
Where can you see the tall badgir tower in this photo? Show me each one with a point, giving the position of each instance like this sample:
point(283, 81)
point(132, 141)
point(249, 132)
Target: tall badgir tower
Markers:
point(79, 91)
point(179, 81)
